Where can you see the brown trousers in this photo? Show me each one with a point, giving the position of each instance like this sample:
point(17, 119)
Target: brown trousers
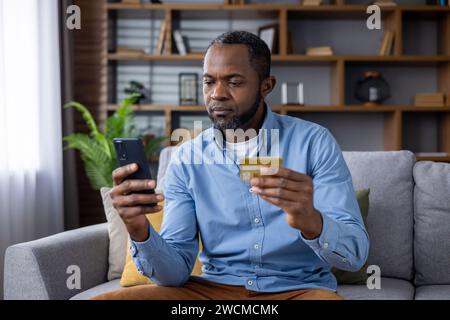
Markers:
point(200, 289)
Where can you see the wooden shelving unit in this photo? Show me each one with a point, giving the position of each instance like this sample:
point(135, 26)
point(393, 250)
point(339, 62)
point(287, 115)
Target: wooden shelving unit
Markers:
point(294, 108)
point(394, 18)
point(288, 58)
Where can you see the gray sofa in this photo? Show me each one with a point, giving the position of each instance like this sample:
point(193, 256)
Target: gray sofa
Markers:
point(409, 228)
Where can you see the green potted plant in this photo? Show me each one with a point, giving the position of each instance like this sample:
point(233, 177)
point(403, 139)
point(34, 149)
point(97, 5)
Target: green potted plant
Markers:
point(97, 149)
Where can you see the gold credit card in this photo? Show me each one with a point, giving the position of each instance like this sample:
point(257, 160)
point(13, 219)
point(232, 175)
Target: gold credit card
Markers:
point(250, 167)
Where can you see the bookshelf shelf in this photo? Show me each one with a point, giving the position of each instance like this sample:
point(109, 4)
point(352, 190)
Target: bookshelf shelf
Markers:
point(271, 7)
point(154, 57)
point(331, 76)
point(289, 58)
point(294, 108)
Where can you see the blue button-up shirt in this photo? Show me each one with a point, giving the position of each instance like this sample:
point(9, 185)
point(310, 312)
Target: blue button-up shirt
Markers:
point(246, 240)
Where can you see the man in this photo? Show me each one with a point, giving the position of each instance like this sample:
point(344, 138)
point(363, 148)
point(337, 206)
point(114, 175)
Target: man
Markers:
point(275, 237)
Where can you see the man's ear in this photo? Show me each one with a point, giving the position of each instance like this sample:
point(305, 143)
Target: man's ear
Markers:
point(267, 86)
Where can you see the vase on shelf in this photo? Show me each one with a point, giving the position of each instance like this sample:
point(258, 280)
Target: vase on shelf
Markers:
point(373, 89)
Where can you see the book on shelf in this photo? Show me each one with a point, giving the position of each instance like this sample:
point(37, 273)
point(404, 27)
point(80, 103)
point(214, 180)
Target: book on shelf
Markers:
point(319, 51)
point(162, 38)
point(180, 43)
point(429, 100)
point(387, 43)
point(312, 2)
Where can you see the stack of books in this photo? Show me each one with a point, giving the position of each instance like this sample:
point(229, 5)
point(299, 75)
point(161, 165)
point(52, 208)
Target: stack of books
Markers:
point(319, 51)
point(181, 43)
point(429, 100)
point(312, 2)
point(387, 43)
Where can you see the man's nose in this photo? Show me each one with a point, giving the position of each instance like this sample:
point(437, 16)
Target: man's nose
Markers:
point(220, 92)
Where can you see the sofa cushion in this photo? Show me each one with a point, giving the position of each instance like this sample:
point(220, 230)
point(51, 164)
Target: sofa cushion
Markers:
point(432, 223)
point(102, 288)
point(437, 292)
point(118, 237)
point(390, 220)
point(391, 289)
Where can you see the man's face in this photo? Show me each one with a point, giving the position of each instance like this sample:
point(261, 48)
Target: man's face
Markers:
point(231, 87)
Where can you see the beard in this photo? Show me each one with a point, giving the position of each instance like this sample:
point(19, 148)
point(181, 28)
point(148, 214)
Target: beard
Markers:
point(236, 121)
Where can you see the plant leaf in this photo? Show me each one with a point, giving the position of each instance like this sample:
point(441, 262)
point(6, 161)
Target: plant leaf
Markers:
point(87, 116)
point(120, 124)
point(97, 148)
point(99, 176)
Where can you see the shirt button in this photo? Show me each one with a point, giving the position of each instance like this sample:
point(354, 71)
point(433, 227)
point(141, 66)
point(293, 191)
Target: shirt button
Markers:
point(325, 245)
point(250, 282)
point(256, 220)
point(344, 260)
point(256, 246)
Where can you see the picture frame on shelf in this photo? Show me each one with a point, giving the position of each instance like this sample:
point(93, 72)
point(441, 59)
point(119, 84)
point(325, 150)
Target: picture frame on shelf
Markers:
point(269, 34)
point(187, 89)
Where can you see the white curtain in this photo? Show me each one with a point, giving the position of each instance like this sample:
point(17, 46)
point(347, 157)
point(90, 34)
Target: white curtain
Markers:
point(31, 199)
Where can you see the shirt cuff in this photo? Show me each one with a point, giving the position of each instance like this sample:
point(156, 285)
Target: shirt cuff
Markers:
point(328, 238)
point(148, 247)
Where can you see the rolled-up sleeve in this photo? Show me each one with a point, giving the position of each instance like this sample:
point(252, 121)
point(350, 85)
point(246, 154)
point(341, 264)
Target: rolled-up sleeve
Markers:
point(168, 258)
point(344, 241)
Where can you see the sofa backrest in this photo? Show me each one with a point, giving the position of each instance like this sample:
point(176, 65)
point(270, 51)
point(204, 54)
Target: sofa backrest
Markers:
point(388, 174)
point(432, 223)
point(390, 219)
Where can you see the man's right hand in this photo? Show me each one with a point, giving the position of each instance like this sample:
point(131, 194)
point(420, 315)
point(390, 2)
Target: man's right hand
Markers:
point(132, 207)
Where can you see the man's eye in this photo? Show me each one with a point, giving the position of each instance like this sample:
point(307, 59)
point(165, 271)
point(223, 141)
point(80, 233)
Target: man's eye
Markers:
point(207, 82)
point(234, 83)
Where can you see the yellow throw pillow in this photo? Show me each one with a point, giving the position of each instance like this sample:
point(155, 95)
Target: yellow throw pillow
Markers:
point(130, 275)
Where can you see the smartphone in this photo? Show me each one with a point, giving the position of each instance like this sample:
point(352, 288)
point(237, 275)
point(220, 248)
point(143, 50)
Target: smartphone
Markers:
point(131, 150)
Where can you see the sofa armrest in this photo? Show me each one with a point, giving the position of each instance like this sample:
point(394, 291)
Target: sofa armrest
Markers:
point(40, 269)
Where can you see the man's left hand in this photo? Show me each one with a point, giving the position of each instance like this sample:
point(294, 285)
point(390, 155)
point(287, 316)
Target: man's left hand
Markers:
point(293, 192)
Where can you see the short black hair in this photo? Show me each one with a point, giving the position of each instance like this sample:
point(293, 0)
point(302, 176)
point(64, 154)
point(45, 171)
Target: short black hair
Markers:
point(260, 57)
